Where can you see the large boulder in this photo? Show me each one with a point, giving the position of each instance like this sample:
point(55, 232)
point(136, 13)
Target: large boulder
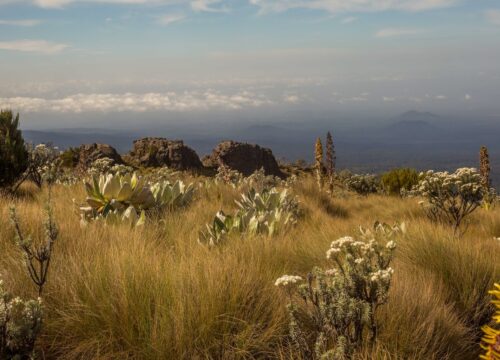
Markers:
point(243, 157)
point(159, 152)
point(88, 153)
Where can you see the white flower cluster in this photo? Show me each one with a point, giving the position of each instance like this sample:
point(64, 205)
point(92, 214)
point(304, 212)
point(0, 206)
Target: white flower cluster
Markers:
point(382, 275)
point(287, 280)
point(349, 244)
point(391, 245)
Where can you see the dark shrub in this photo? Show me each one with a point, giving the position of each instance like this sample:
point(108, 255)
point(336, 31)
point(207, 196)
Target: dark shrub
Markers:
point(399, 179)
point(13, 154)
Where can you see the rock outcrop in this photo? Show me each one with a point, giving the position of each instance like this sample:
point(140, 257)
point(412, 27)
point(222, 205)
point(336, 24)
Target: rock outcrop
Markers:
point(243, 157)
point(159, 152)
point(88, 153)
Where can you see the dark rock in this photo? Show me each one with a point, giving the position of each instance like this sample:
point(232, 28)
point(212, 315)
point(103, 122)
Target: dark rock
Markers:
point(243, 157)
point(159, 152)
point(89, 153)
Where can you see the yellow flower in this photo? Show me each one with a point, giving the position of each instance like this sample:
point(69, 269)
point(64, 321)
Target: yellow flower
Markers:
point(491, 339)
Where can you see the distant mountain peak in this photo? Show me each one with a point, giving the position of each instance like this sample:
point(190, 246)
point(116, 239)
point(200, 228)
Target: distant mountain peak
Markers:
point(414, 115)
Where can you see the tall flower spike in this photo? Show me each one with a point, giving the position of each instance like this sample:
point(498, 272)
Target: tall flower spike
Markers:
point(330, 161)
point(318, 157)
point(484, 167)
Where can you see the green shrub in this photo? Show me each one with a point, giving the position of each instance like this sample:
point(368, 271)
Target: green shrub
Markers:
point(13, 154)
point(69, 158)
point(396, 180)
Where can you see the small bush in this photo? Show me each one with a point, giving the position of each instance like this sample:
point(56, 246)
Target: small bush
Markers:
point(20, 324)
point(397, 180)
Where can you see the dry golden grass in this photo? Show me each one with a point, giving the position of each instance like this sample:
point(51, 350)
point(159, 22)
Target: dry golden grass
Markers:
point(154, 293)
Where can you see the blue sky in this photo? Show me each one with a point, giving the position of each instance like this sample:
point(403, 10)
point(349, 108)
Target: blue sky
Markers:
point(77, 56)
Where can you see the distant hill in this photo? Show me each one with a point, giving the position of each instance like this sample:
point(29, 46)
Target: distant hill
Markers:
point(417, 116)
point(415, 126)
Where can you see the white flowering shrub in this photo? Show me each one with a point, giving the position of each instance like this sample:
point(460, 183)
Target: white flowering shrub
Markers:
point(340, 304)
point(43, 164)
point(20, 325)
point(268, 213)
point(363, 184)
point(107, 166)
point(156, 175)
point(450, 198)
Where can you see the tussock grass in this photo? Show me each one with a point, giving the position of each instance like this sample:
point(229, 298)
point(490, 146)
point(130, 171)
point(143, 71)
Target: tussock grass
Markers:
point(155, 293)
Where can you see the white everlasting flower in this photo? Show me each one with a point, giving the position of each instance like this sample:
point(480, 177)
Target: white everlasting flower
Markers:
point(391, 245)
point(332, 252)
point(286, 280)
point(379, 275)
point(344, 241)
point(359, 261)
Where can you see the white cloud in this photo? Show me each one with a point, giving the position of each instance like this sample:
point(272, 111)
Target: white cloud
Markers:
point(396, 32)
point(291, 99)
point(207, 6)
point(61, 3)
point(441, 97)
point(348, 20)
point(467, 97)
point(23, 22)
point(39, 46)
point(388, 99)
point(493, 16)
point(170, 19)
point(343, 6)
point(170, 101)
point(51, 3)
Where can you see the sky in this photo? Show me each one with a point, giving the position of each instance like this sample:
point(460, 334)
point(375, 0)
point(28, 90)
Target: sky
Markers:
point(101, 57)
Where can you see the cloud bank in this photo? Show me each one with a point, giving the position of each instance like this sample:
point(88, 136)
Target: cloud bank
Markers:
point(342, 6)
point(22, 22)
point(35, 46)
point(169, 101)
